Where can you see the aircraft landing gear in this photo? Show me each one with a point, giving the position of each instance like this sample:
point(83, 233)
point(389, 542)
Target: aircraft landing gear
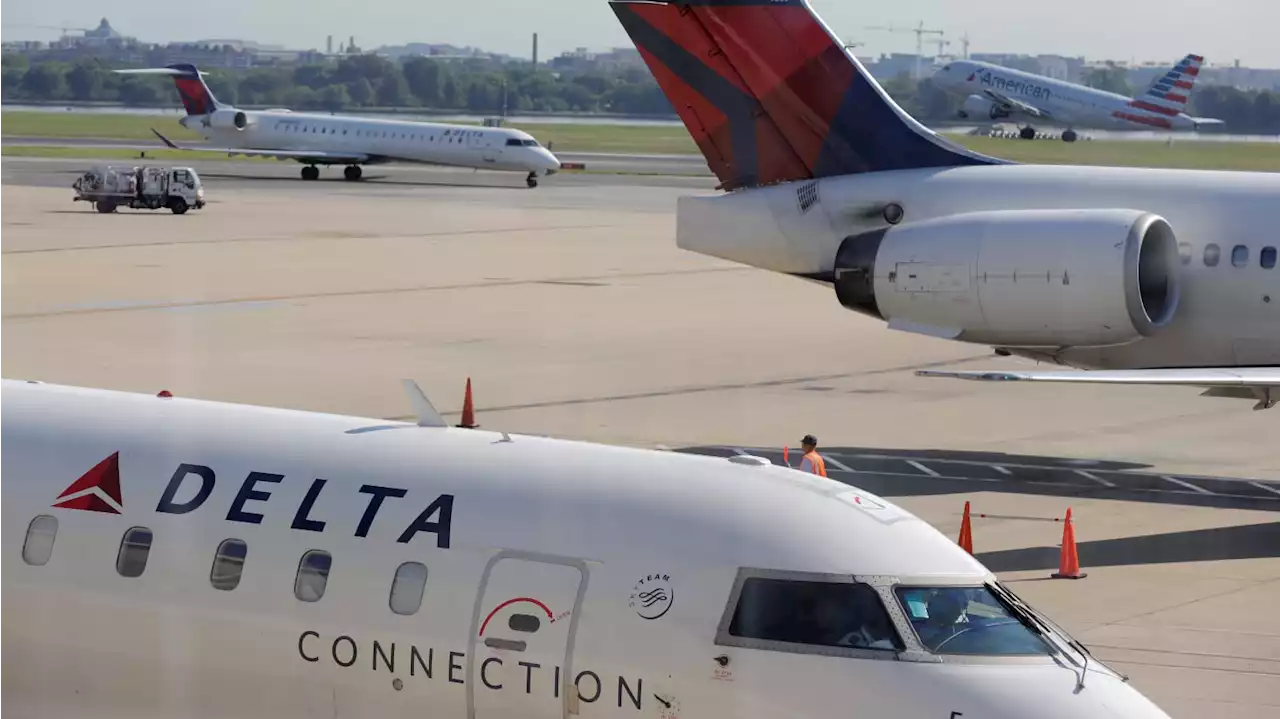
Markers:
point(1070, 136)
point(1027, 133)
point(353, 173)
point(531, 180)
point(311, 172)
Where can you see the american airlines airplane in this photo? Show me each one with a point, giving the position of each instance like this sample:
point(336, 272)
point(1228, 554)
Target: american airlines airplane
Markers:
point(319, 139)
point(173, 557)
point(1158, 276)
point(1000, 92)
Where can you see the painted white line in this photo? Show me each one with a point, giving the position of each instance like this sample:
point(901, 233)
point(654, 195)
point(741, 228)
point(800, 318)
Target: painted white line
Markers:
point(1002, 469)
point(739, 451)
point(837, 464)
point(1188, 485)
point(922, 468)
point(1090, 475)
point(1269, 488)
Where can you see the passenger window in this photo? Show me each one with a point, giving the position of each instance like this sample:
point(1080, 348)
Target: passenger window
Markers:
point(815, 613)
point(1184, 251)
point(313, 575)
point(1211, 254)
point(38, 546)
point(1240, 256)
point(135, 547)
point(407, 588)
point(1268, 258)
point(228, 564)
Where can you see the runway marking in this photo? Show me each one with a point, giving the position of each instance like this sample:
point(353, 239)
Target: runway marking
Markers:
point(1260, 485)
point(359, 293)
point(922, 468)
point(1089, 475)
point(837, 464)
point(1188, 485)
point(1002, 469)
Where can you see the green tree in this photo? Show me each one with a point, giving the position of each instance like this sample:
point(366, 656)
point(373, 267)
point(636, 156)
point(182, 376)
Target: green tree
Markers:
point(334, 97)
point(44, 82)
point(393, 91)
point(425, 79)
point(361, 91)
point(140, 91)
point(1110, 79)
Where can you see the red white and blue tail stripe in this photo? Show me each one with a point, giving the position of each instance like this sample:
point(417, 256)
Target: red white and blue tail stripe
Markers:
point(1169, 95)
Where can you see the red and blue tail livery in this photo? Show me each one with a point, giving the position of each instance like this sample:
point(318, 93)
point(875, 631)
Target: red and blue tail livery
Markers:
point(770, 95)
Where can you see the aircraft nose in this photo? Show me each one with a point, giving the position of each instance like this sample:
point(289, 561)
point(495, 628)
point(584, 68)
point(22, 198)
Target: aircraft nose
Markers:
point(548, 162)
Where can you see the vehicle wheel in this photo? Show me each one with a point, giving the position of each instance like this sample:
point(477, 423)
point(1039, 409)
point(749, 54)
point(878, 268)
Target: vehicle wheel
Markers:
point(353, 173)
point(1070, 136)
point(179, 206)
point(105, 207)
point(1028, 133)
point(311, 172)
point(531, 180)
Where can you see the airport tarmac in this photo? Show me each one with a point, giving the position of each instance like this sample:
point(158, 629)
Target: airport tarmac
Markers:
point(575, 315)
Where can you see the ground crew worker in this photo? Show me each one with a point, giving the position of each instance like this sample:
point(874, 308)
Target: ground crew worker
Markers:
point(812, 461)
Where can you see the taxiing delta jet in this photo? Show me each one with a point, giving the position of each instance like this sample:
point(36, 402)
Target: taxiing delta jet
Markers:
point(1152, 276)
point(171, 557)
point(324, 139)
point(1001, 92)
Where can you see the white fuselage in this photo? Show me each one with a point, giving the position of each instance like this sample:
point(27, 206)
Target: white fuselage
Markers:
point(1066, 103)
point(1224, 222)
point(384, 140)
point(389, 570)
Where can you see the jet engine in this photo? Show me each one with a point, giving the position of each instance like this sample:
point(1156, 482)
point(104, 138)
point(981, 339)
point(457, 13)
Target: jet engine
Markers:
point(231, 120)
point(977, 107)
point(1018, 278)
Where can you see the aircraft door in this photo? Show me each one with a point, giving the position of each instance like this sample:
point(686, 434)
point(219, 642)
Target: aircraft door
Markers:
point(483, 143)
point(520, 662)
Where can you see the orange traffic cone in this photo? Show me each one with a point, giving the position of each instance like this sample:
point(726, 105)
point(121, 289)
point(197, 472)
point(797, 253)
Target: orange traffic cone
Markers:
point(966, 532)
point(468, 410)
point(1069, 564)
point(786, 456)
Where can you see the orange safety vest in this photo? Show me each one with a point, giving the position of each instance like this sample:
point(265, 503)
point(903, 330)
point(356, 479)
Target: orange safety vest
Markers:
point(819, 466)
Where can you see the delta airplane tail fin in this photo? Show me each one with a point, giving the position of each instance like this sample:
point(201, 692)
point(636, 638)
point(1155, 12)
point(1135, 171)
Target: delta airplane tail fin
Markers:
point(1170, 93)
point(197, 98)
point(770, 95)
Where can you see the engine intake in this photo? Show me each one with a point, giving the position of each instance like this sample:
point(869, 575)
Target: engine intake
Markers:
point(1020, 278)
point(978, 107)
point(231, 120)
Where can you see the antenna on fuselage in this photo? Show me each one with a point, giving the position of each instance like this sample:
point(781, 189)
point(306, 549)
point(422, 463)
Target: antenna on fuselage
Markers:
point(428, 416)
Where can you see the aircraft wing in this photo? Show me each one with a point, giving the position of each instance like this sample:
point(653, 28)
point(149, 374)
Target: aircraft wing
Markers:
point(1017, 105)
point(320, 156)
point(1260, 383)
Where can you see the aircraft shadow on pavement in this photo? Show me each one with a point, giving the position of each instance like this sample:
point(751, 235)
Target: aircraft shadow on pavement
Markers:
point(1253, 541)
point(368, 179)
point(911, 472)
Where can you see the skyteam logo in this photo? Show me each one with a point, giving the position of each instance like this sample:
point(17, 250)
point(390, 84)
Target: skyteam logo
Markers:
point(97, 490)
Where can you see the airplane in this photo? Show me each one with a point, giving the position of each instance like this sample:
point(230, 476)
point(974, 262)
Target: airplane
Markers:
point(1001, 92)
point(322, 139)
point(1159, 276)
point(181, 557)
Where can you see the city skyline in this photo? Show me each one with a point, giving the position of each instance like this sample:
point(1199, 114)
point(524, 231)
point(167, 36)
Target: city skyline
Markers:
point(1137, 31)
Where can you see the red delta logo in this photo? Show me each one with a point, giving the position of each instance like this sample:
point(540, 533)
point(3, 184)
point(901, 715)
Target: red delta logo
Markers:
point(97, 490)
point(971, 76)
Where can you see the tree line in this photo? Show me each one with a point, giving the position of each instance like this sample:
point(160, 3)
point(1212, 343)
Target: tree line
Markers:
point(479, 86)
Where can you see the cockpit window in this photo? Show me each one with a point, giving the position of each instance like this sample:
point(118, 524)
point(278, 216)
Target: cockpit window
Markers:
point(814, 613)
point(514, 142)
point(967, 620)
point(530, 143)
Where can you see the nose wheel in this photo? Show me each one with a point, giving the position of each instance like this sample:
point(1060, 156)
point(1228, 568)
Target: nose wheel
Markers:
point(531, 180)
point(311, 172)
point(353, 173)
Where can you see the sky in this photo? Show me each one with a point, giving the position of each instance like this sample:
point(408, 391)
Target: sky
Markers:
point(1124, 30)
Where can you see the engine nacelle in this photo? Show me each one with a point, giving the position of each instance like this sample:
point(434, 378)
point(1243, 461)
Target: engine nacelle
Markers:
point(977, 107)
point(231, 120)
point(1018, 278)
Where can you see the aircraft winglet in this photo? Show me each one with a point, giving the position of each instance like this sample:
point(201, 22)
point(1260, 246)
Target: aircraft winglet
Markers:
point(427, 414)
point(166, 140)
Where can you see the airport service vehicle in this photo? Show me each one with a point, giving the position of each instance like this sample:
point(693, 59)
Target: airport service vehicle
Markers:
point(1158, 276)
point(325, 139)
point(107, 187)
point(997, 93)
point(175, 557)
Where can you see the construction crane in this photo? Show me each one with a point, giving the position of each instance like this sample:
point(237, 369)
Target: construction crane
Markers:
point(920, 30)
point(61, 28)
point(964, 42)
